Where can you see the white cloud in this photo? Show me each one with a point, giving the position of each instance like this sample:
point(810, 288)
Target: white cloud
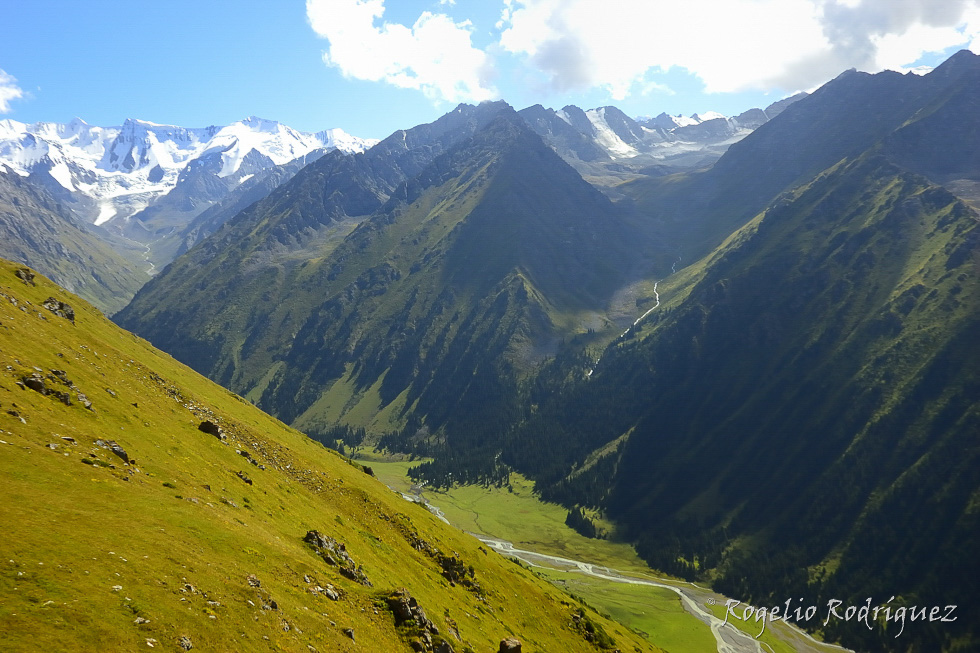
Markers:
point(730, 45)
point(624, 46)
point(8, 91)
point(435, 55)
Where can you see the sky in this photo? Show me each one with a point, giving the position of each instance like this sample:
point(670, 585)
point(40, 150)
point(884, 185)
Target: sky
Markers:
point(371, 67)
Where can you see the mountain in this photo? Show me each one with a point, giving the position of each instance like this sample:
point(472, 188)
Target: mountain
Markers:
point(432, 307)
point(843, 118)
point(799, 416)
point(607, 146)
point(35, 230)
point(145, 507)
point(144, 180)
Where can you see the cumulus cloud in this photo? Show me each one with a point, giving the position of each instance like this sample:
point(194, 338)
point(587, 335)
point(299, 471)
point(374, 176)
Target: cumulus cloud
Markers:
point(435, 55)
point(873, 35)
point(626, 46)
point(730, 45)
point(8, 91)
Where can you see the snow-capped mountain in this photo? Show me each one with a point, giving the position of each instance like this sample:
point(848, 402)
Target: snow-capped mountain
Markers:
point(606, 140)
point(111, 173)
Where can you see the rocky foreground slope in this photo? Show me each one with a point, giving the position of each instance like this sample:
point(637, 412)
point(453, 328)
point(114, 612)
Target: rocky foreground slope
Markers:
point(145, 507)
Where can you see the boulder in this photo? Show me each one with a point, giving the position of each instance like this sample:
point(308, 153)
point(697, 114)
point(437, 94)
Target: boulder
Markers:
point(26, 275)
point(510, 645)
point(60, 308)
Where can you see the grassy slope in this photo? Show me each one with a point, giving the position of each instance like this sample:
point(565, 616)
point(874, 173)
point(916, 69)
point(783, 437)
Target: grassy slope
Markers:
point(181, 553)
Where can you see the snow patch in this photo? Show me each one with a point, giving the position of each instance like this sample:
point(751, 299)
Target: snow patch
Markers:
point(62, 175)
point(607, 138)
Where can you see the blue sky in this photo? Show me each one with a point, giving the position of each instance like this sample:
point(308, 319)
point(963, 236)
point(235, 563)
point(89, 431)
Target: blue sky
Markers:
point(373, 66)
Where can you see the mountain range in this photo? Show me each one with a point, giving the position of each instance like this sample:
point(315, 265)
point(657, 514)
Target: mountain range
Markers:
point(142, 178)
point(749, 342)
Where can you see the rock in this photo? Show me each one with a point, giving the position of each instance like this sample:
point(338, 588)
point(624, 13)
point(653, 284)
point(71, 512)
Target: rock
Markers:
point(350, 633)
point(253, 581)
point(119, 451)
point(510, 645)
point(244, 477)
point(60, 308)
point(443, 647)
point(185, 643)
point(26, 275)
point(209, 427)
point(141, 620)
point(335, 553)
point(36, 383)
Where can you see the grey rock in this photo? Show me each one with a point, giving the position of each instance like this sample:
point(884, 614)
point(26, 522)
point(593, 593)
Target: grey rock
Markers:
point(60, 308)
point(26, 275)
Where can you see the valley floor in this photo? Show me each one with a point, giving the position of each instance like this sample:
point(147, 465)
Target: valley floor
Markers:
point(677, 616)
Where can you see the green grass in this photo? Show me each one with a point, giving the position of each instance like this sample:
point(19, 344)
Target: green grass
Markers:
point(655, 612)
point(517, 516)
point(175, 536)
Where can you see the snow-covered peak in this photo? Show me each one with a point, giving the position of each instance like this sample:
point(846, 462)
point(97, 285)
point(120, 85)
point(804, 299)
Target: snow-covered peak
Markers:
point(142, 159)
point(337, 138)
point(707, 115)
point(607, 137)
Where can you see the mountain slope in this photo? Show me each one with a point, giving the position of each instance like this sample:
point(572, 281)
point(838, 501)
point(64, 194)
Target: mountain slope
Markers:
point(800, 417)
point(842, 119)
point(127, 526)
point(608, 147)
point(469, 273)
point(34, 230)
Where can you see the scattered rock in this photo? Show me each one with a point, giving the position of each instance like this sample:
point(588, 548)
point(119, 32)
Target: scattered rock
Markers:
point(26, 275)
point(253, 581)
point(185, 643)
point(141, 620)
point(244, 477)
point(411, 619)
point(114, 447)
point(60, 308)
point(335, 553)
